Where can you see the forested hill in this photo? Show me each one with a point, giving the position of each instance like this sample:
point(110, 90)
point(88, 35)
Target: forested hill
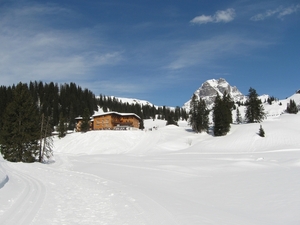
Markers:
point(67, 101)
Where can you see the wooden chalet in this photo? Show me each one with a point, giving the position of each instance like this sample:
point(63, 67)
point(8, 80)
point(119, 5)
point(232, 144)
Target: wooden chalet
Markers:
point(112, 121)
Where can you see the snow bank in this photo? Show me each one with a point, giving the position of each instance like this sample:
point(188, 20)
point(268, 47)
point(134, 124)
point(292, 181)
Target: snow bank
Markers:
point(98, 142)
point(158, 138)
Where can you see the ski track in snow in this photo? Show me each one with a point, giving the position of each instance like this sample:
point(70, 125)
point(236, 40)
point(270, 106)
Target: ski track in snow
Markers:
point(132, 206)
point(23, 208)
point(94, 200)
point(72, 197)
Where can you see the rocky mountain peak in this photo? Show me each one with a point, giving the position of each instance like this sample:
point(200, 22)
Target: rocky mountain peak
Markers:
point(210, 88)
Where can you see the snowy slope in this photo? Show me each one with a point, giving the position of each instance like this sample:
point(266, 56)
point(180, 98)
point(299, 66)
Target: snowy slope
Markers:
point(279, 107)
point(166, 176)
point(133, 101)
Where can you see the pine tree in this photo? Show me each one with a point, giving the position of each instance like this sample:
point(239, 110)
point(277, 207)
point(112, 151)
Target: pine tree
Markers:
point(193, 113)
point(254, 108)
point(198, 115)
point(228, 106)
point(222, 116)
point(202, 119)
point(5, 99)
point(217, 116)
point(261, 131)
point(85, 125)
point(46, 141)
point(20, 131)
point(171, 120)
point(62, 129)
point(292, 107)
point(238, 119)
point(141, 124)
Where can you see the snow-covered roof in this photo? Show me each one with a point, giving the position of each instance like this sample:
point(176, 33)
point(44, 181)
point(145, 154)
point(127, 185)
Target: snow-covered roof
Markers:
point(120, 114)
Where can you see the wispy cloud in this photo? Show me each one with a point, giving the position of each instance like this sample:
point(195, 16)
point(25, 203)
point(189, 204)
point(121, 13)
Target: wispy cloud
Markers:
point(32, 48)
point(207, 52)
point(279, 12)
point(224, 16)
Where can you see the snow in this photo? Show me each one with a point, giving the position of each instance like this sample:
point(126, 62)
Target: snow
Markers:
point(219, 86)
point(166, 175)
point(3, 176)
point(133, 101)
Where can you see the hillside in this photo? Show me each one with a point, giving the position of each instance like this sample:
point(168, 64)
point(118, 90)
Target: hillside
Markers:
point(167, 176)
point(242, 138)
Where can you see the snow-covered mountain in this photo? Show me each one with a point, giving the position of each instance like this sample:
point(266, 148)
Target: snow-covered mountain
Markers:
point(207, 91)
point(133, 101)
point(210, 88)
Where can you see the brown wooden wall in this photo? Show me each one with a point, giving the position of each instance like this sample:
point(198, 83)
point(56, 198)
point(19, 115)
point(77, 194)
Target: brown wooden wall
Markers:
point(102, 122)
point(110, 121)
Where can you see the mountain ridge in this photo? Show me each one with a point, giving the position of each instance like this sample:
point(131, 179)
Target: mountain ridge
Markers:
point(209, 89)
point(213, 87)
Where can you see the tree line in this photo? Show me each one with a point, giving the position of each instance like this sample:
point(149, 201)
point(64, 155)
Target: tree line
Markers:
point(29, 113)
point(222, 113)
point(144, 111)
point(67, 101)
point(25, 134)
point(53, 100)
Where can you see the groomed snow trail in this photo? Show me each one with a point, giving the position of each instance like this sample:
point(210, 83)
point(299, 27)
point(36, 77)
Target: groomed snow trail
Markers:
point(130, 206)
point(24, 201)
point(54, 194)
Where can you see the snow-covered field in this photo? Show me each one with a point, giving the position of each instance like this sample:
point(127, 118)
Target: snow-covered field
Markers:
point(166, 176)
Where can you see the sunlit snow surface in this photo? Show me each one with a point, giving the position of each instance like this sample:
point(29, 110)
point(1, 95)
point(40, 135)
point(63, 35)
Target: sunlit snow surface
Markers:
point(166, 176)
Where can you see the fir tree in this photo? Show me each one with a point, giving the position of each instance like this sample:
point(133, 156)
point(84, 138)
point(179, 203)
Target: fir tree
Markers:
point(20, 131)
point(46, 141)
point(141, 124)
point(171, 120)
point(228, 106)
point(85, 125)
point(254, 108)
point(62, 129)
point(5, 99)
point(193, 113)
point(261, 131)
point(217, 117)
point(292, 107)
point(238, 119)
point(222, 116)
point(202, 119)
point(198, 115)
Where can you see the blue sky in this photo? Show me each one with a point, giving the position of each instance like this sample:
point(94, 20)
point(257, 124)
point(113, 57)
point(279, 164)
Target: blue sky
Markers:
point(160, 51)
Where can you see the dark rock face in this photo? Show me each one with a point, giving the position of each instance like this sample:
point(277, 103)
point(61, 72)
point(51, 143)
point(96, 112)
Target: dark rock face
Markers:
point(207, 90)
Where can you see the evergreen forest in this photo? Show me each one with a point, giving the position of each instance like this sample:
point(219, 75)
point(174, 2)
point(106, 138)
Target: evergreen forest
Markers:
point(29, 113)
point(67, 101)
